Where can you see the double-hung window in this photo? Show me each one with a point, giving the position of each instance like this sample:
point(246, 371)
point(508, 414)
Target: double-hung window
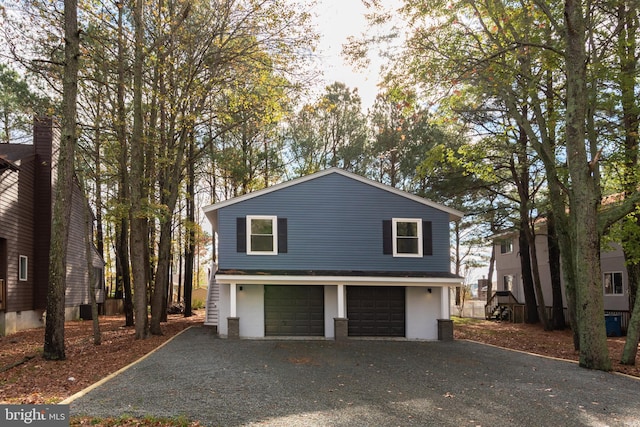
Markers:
point(407, 237)
point(613, 283)
point(506, 246)
point(262, 235)
point(507, 282)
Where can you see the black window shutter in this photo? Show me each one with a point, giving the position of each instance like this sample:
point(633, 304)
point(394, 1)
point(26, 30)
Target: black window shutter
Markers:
point(241, 234)
point(282, 235)
point(387, 237)
point(427, 238)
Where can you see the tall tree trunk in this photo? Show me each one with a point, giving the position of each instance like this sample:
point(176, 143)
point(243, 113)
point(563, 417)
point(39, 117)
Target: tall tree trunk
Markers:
point(123, 272)
point(169, 188)
point(54, 330)
point(492, 262)
point(565, 240)
point(123, 269)
point(138, 221)
point(627, 52)
point(98, 181)
point(93, 278)
point(180, 265)
point(543, 140)
point(537, 284)
point(457, 264)
point(630, 350)
point(584, 199)
point(520, 175)
point(158, 302)
point(191, 235)
point(557, 310)
point(527, 277)
point(553, 243)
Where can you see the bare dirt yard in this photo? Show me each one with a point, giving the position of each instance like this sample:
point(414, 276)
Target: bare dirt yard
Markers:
point(534, 339)
point(27, 378)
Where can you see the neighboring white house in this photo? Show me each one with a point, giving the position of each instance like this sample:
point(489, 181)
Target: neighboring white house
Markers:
point(615, 284)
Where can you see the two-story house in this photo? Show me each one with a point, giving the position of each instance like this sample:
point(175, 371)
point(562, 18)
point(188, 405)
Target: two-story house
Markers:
point(615, 285)
point(332, 255)
point(27, 182)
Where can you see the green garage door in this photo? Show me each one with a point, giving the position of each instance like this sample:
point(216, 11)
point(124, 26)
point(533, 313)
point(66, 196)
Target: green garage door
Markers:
point(376, 311)
point(293, 310)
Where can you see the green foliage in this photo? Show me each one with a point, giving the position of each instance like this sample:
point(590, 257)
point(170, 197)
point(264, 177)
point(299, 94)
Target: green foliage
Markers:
point(465, 320)
point(627, 233)
point(330, 132)
point(404, 134)
point(18, 105)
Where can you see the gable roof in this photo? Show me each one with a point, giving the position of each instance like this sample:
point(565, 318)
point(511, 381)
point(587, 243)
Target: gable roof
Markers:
point(211, 210)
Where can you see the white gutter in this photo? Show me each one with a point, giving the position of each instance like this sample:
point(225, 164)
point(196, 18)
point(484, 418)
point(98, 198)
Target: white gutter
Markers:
point(337, 280)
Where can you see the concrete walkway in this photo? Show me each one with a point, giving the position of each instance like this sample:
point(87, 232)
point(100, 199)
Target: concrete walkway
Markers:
point(360, 383)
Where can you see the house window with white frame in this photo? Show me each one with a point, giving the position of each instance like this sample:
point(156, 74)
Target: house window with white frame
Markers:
point(613, 283)
point(262, 235)
point(407, 237)
point(507, 282)
point(23, 268)
point(506, 247)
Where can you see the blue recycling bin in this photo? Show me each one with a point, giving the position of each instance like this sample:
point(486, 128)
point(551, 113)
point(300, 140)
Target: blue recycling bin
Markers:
point(612, 324)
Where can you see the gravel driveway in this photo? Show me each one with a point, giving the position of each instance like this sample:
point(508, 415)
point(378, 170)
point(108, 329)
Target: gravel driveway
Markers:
point(361, 383)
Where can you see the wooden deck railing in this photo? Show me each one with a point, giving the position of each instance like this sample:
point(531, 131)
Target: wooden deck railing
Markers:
point(505, 306)
point(506, 299)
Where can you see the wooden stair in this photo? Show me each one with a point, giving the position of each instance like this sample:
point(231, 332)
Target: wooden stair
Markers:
point(503, 305)
point(213, 298)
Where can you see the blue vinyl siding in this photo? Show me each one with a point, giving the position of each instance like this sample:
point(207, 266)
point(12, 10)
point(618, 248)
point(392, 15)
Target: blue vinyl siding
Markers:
point(334, 223)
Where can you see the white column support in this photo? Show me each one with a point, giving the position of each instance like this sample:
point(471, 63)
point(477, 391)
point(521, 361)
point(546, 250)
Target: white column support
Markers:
point(232, 300)
point(341, 302)
point(445, 309)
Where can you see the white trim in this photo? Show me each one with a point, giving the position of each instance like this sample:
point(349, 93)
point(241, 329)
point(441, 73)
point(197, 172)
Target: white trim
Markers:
point(341, 302)
point(338, 280)
point(445, 303)
point(23, 273)
point(394, 232)
point(211, 210)
point(613, 294)
point(274, 237)
point(233, 300)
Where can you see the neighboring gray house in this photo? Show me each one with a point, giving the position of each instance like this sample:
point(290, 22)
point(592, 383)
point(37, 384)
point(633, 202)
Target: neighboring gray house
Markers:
point(615, 286)
point(331, 254)
point(27, 182)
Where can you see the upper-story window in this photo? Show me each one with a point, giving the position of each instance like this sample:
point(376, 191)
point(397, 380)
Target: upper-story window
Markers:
point(613, 283)
point(506, 246)
point(407, 237)
point(262, 235)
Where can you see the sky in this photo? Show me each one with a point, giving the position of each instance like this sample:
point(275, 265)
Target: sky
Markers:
point(337, 20)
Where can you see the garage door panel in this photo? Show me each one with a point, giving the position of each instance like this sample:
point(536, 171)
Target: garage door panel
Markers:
point(376, 310)
point(294, 310)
